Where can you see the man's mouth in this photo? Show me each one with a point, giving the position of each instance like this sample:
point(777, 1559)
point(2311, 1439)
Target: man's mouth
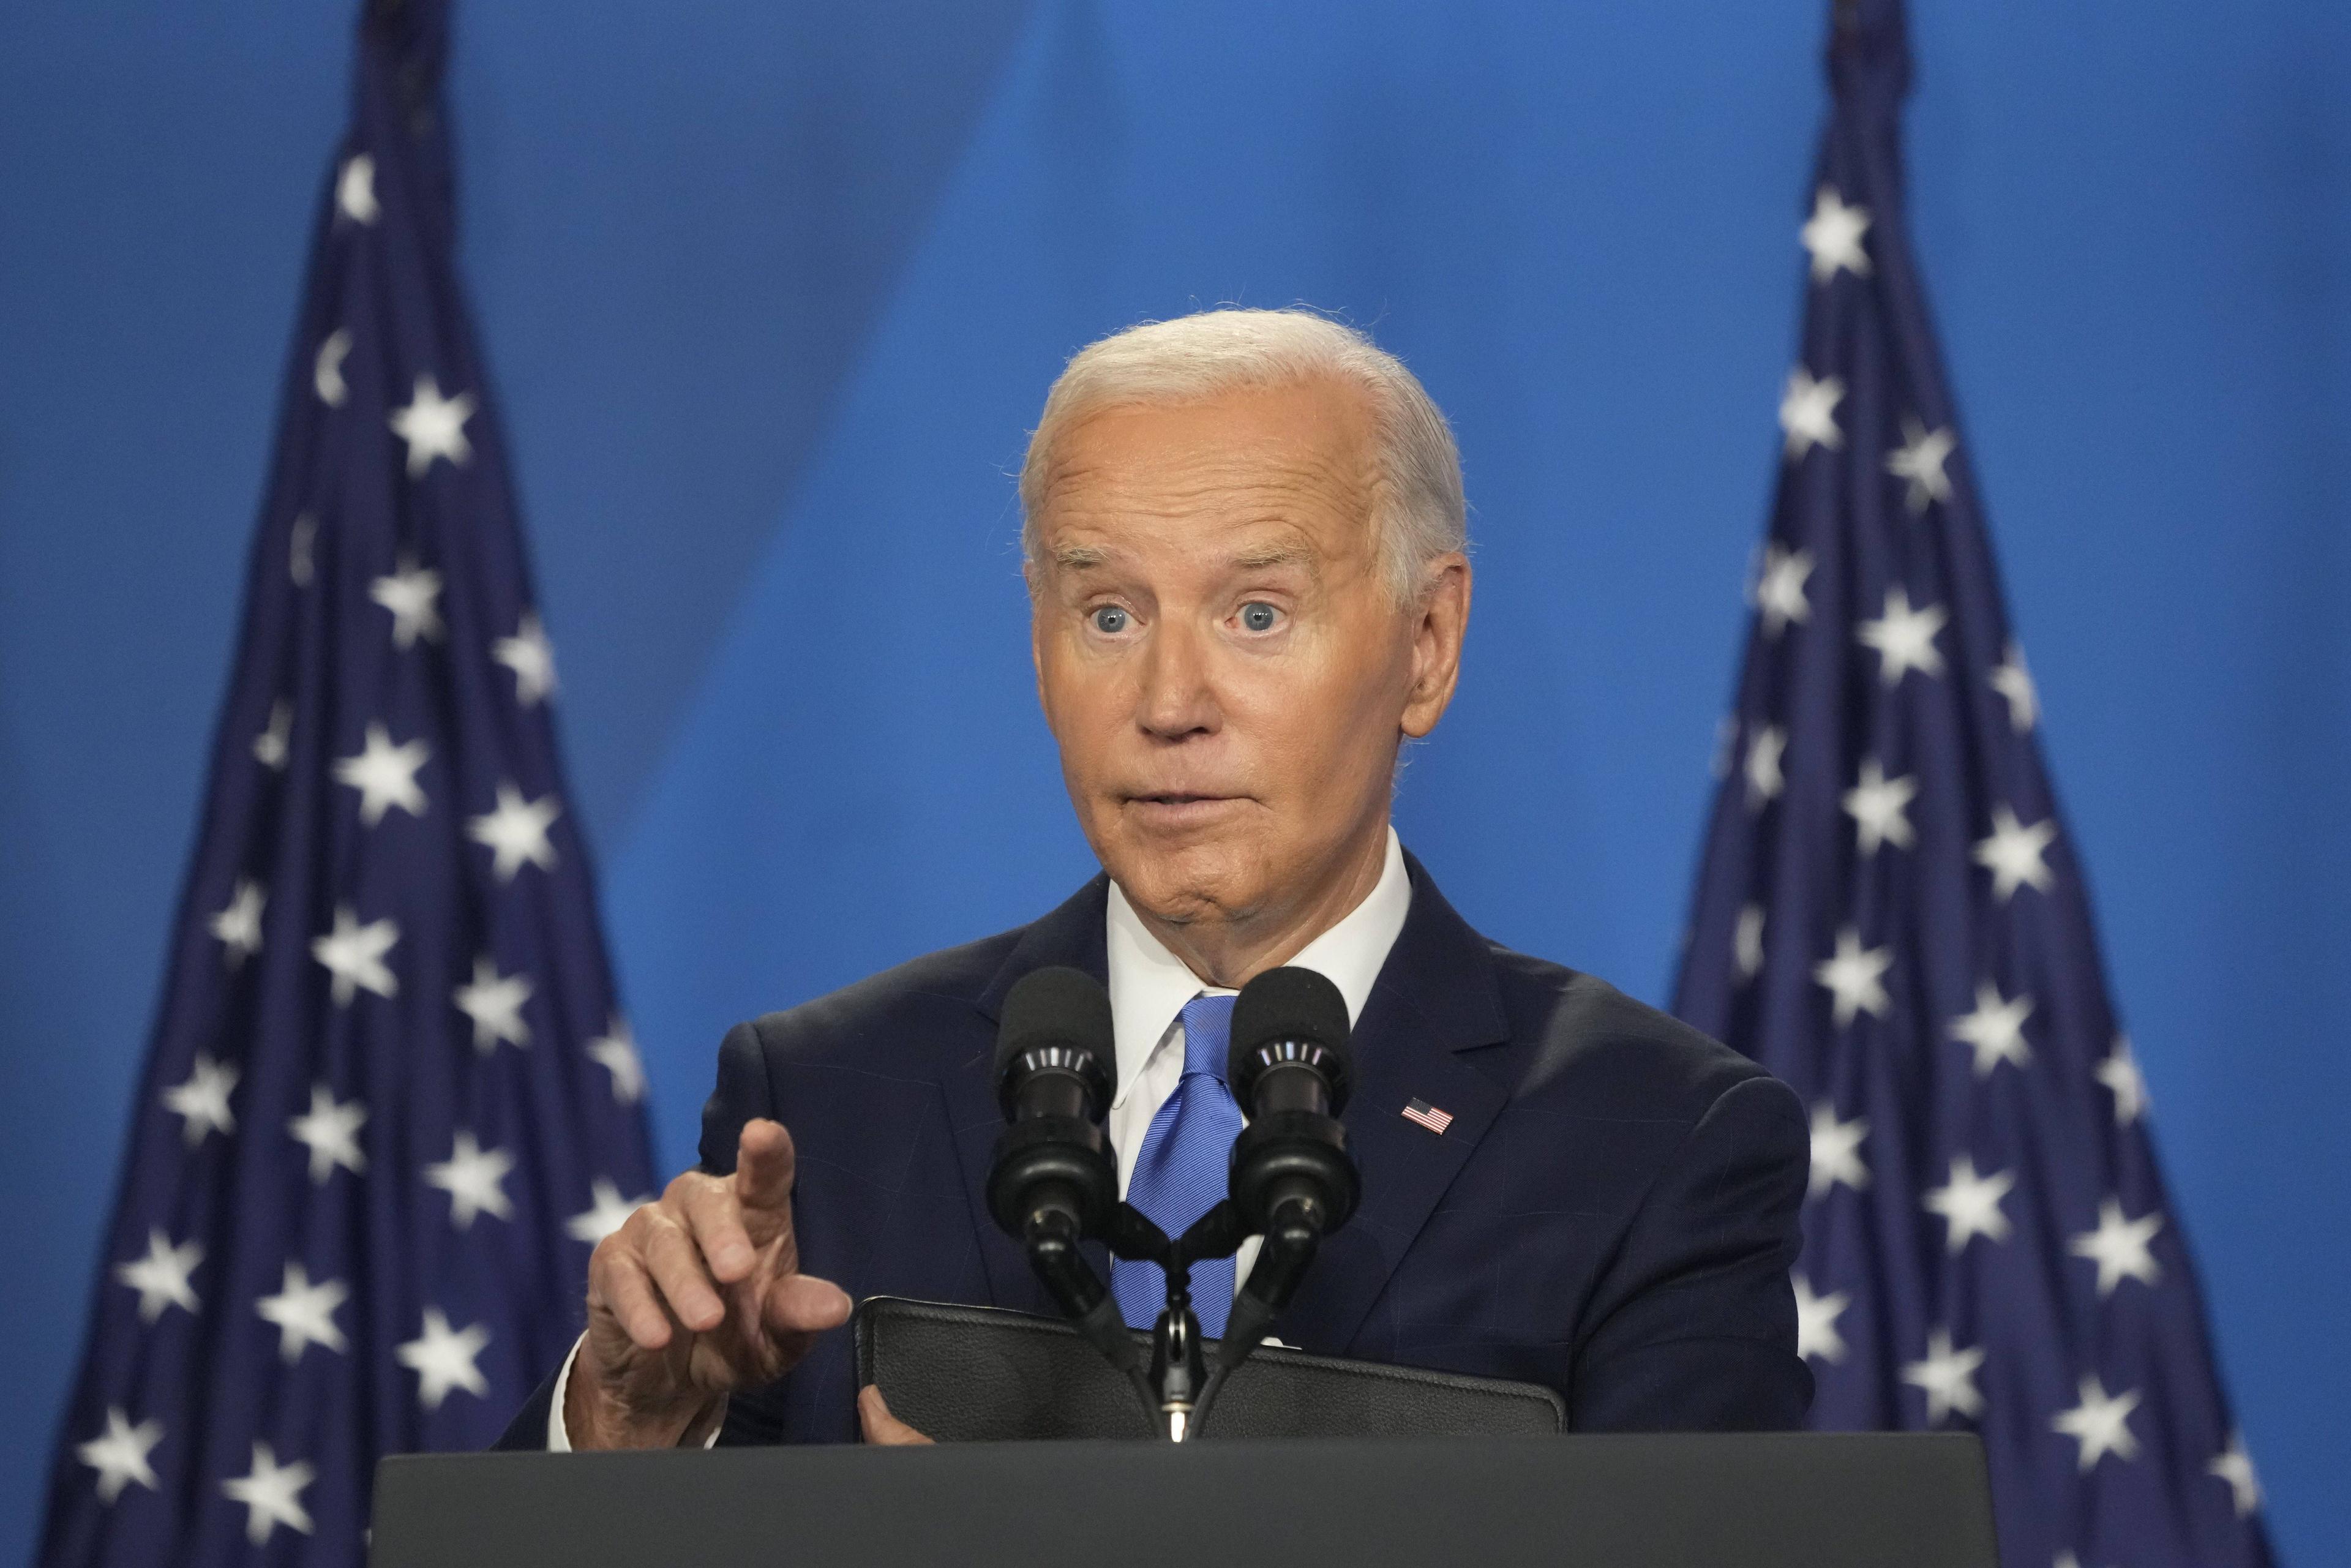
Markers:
point(1177, 808)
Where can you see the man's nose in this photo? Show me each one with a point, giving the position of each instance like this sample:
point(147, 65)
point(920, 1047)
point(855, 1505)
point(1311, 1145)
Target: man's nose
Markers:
point(1178, 695)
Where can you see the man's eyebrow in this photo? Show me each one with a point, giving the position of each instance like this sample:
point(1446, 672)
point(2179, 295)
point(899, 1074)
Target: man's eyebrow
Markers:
point(1273, 553)
point(1079, 558)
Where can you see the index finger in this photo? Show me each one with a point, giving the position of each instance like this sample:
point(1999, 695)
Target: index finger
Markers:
point(763, 1166)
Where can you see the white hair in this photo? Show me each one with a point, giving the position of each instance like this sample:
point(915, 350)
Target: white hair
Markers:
point(1416, 504)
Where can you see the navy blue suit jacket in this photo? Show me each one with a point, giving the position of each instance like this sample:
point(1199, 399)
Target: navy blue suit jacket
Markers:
point(1613, 1211)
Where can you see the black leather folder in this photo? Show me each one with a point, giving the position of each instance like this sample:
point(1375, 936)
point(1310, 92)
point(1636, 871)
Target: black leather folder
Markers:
point(981, 1374)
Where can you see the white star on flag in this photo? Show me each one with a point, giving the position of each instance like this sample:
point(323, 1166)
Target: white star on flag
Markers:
point(1855, 974)
point(616, 1050)
point(353, 954)
point(1808, 412)
point(1948, 1377)
point(2234, 1465)
point(326, 381)
point(2119, 1248)
point(1920, 460)
point(119, 1454)
point(1880, 807)
point(1996, 1028)
point(1904, 637)
point(434, 426)
point(607, 1212)
point(1764, 780)
point(355, 189)
point(330, 1131)
point(238, 925)
point(272, 1495)
point(203, 1099)
point(516, 832)
point(442, 1359)
point(1746, 942)
point(1780, 588)
point(2014, 682)
point(1816, 1320)
point(412, 594)
point(1970, 1203)
point(1836, 1151)
point(269, 745)
point(494, 1004)
point(385, 775)
point(162, 1277)
point(304, 1313)
point(531, 658)
point(2100, 1423)
point(1833, 235)
point(2118, 1071)
point(2013, 854)
point(474, 1178)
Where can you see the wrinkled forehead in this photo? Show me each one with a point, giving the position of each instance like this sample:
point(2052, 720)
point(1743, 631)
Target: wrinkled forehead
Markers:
point(1261, 474)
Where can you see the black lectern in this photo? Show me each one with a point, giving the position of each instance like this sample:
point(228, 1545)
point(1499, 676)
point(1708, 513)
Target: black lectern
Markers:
point(1777, 1501)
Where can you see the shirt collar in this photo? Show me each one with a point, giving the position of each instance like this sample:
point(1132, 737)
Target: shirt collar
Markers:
point(1149, 984)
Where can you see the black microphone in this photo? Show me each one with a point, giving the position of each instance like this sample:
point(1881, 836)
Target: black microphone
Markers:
point(1053, 1182)
point(1290, 1068)
point(1292, 1179)
point(1053, 1178)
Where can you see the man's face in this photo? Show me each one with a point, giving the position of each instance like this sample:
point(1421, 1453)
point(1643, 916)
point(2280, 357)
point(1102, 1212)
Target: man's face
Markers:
point(1219, 654)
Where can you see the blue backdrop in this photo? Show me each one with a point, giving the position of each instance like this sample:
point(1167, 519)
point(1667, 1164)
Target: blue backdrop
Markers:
point(772, 293)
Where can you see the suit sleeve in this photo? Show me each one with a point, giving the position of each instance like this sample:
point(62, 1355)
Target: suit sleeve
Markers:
point(1696, 1321)
point(527, 1433)
point(741, 1095)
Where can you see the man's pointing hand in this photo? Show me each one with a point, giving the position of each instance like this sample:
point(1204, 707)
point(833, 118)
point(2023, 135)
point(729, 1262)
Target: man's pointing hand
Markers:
point(694, 1297)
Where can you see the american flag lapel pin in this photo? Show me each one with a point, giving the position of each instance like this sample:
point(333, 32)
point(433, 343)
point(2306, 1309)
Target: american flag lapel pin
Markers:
point(1428, 1116)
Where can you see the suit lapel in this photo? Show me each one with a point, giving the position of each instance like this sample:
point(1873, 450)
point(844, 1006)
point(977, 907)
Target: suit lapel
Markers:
point(1437, 995)
point(1071, 935)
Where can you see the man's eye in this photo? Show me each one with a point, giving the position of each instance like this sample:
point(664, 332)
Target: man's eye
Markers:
point(1110, 619)
point(1259, 617)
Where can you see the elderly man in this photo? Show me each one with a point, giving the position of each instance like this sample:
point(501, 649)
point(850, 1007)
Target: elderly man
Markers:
point(1244, 538)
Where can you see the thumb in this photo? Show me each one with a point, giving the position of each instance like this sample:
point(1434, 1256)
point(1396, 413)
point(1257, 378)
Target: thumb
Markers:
point(881, 1428)
point(804, 1304)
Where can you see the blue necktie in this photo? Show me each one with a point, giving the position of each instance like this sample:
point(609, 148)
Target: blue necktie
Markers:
point(1180, 1173)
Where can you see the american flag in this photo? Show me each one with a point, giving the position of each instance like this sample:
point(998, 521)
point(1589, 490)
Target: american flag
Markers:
point(390, 1102)
point(1890, 916)
point(1423, 1114)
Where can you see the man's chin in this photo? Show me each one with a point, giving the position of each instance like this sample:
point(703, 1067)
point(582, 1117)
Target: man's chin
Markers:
point(1189, 883)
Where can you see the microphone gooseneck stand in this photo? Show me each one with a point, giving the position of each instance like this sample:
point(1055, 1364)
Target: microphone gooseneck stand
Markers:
point(1178, 1382)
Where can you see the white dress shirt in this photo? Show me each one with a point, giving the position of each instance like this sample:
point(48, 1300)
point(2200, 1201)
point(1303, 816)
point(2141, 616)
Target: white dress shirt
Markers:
point(1148, 987)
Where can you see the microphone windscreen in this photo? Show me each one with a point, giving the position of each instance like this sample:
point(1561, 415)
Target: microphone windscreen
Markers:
point(1057, 1005)
point(1289, 1003)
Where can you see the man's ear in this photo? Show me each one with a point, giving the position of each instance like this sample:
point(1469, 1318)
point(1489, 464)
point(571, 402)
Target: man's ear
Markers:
point(1441, 619)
